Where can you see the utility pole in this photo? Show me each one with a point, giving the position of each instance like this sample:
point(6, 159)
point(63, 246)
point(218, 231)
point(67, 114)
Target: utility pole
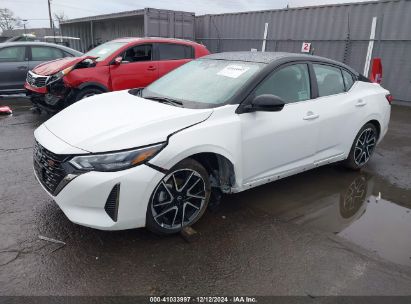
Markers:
point(51, 20)
point(24, 25)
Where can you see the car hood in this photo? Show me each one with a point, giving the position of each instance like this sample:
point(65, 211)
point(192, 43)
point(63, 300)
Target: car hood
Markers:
point(55, 66)
point(119, 120)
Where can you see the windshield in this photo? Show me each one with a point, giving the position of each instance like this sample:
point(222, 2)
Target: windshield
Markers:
point(204, 81)
point(104, 50)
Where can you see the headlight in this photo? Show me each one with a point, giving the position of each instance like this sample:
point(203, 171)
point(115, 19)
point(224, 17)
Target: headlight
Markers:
point(115, 161)
point(59, 75)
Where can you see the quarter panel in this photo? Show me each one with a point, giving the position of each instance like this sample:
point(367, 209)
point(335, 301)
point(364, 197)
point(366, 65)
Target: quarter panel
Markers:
point(376, 108)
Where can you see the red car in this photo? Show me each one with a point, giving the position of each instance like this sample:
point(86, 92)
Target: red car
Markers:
point(120, 64)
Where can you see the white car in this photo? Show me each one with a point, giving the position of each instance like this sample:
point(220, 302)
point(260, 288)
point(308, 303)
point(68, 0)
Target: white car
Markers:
point(224, 123)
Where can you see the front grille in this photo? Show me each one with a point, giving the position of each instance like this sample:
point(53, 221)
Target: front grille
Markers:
point(36, 80)
point(47, 166)
point(111, 206)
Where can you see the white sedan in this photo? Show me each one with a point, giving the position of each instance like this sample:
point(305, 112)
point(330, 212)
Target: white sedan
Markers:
point(224, 123)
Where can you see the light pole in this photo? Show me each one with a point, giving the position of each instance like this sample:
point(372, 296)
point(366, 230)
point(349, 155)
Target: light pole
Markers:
point(24, 25)
point(51, 20)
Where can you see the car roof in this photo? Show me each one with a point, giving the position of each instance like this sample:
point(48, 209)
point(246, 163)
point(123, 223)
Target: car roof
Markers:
point(271, 57)
point(38, 43)
point(152, 39)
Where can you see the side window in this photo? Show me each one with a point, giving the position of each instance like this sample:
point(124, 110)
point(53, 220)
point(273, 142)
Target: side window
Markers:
point(329, 80)
point(13, 54)
point(43, 53)
point(168, 51)
point(348, 80)
point(291, 83)
point(138, 53)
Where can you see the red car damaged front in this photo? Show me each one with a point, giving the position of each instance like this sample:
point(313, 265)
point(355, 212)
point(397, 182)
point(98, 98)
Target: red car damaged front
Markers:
point(49, 84)
point(120, 64)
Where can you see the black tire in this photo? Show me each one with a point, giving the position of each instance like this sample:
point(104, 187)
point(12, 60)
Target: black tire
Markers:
point(87, 92)
point(353, 161)
point(172, 205)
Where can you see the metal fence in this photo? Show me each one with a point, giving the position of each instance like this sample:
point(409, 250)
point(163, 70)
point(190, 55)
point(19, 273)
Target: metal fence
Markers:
point(340, 32)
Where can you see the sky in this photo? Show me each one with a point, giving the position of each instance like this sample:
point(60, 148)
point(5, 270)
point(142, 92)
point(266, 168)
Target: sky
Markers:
point(36, 12)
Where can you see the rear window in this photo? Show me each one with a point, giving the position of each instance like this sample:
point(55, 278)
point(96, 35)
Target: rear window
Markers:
point(168, 51)
point(329, 80)
point(348, 80)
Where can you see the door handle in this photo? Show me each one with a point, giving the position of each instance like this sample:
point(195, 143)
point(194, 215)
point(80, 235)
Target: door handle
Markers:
point(151, 68)
point(360, 103)
point(22, 67)
point(310, 116)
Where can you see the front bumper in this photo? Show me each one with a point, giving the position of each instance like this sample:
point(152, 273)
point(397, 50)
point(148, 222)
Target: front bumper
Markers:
point(83, 199)
point(52, 98)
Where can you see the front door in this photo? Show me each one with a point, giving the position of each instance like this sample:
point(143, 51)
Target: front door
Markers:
point(276, 144)
point(137, 68)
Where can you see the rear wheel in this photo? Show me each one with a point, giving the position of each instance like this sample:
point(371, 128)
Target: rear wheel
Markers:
point(363, 147)
point(180, 198)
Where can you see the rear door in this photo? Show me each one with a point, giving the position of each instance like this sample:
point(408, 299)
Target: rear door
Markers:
point(137, 69)
point(338, 110)
point(172, 55)
point(13, 67)
point(41, 53)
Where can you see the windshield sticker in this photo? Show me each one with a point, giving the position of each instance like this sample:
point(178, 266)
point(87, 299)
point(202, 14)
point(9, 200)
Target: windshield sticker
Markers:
point(233, 71)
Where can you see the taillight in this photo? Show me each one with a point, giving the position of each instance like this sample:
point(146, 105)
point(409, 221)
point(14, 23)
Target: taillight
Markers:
point(390, 98)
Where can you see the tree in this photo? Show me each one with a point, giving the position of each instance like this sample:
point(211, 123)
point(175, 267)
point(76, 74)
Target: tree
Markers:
point(8, 21)
point(60, 17)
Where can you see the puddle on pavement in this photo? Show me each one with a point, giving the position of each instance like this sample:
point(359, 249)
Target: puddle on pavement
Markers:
point(343, 203)
point(384, 228)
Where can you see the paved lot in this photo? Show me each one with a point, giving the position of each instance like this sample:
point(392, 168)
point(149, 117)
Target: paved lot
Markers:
point(324, 232)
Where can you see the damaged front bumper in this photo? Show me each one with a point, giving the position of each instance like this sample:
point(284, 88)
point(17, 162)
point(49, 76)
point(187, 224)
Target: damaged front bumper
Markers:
point(52, 98)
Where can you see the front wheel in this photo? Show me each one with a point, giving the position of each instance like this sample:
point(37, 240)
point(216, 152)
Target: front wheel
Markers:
point(87, 92)
point(362, 148)
point(180, 199)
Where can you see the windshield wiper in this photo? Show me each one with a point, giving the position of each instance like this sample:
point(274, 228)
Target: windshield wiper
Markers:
point(165, 100)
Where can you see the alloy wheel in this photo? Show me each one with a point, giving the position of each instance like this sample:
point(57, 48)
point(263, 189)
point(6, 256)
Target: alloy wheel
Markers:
point(364, 146)
point(178, 199)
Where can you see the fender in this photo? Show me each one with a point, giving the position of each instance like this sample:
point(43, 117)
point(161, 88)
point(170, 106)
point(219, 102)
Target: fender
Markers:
point(93, 84)
point(206, 148)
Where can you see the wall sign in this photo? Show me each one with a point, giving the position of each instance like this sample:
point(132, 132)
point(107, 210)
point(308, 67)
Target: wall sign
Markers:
point(306, 47)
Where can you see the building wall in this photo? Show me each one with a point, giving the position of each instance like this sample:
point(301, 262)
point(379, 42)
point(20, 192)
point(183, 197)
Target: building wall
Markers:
point(165, 23)
point(147, 22)
point(103, 30)
point(340, 32)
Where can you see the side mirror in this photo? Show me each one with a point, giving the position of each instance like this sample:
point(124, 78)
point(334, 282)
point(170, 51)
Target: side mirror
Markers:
point(118, 60)
point(265, 102)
